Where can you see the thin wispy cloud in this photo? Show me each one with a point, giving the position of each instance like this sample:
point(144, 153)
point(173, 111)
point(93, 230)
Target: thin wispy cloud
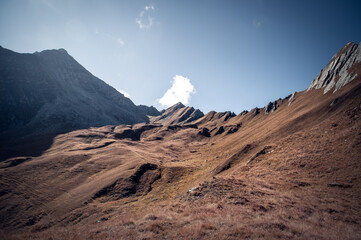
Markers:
point(180, 91)
point(149, 8)
point(109, 37)
point(145, 19)
point(120, 41)
point(256, 23)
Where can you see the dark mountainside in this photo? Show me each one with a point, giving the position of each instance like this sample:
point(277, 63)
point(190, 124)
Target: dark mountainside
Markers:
point(49, 92)
point(289, 170)
point(150, 111)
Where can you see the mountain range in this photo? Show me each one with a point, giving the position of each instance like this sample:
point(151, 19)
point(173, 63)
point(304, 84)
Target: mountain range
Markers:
point(288, 170)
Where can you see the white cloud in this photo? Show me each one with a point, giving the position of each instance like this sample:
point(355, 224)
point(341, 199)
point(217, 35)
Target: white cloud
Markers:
point(256, 23)
point(120, 41)
point(149, 8)
point(124, 93)
point(180, 91)
point(145, 19)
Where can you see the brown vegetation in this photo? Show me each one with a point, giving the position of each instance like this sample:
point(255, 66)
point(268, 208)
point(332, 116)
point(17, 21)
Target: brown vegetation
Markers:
point(293, 173)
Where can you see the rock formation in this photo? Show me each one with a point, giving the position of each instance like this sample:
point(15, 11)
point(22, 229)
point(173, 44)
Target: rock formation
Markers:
point(342, 69)
point(271, 107)
point(292, 98)
point(178, 114)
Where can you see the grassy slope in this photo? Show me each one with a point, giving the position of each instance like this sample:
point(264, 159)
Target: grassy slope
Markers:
point(284, 193)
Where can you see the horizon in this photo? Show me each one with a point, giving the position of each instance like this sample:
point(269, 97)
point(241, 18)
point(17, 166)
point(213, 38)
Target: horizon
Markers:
point(212, 55)
point(125, 94)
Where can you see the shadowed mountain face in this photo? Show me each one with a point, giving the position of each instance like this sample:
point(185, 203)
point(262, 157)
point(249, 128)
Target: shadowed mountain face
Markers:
point(289, 170)
point(150, 111)
point(49, 92)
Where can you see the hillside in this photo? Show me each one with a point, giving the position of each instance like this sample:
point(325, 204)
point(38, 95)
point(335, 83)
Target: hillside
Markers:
point(289, 170)
point(49, 92)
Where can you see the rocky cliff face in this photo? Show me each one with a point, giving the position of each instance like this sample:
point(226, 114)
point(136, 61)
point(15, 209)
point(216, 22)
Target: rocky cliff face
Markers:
point(342, 69)
point(178, 114)
point(49, 92)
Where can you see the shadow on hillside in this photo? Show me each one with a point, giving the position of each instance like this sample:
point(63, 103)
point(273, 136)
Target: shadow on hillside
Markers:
point(29, 147)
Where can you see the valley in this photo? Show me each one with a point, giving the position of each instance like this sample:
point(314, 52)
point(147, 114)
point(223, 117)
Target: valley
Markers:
point(289, 170)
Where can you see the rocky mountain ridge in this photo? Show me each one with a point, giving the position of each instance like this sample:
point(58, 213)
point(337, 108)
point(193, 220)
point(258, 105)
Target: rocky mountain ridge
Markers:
point(177, 114)
point(342, 69)
point(49, 92)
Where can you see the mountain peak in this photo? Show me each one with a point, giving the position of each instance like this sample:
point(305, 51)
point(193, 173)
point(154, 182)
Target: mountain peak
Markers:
point(341, 70)
point(53, 51)
point(62, 50)
point(61, 95)
point(178, 114)
point(177, 105)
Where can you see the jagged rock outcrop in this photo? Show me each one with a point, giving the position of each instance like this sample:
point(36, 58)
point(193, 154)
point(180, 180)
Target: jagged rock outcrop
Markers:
point(178, 114)
point(244, 112)
point(220, 130)
point(216, 116)
point(254, 112)
point(342, 69)
point(204, 132)
point(271, 107)
point(50, 92)
point(291, 98)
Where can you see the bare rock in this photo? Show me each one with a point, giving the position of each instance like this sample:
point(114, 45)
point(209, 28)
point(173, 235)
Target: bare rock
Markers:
point(204, 132)
point(178, 114)
point(340, 70)
point(292, 98)
point(271, 107)
point(220, 130)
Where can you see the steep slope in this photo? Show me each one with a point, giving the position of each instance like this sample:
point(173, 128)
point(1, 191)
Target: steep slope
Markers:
point(150, 111)
point(342, 69)
point(291, 170)
point(177, 114)
point(49, 92)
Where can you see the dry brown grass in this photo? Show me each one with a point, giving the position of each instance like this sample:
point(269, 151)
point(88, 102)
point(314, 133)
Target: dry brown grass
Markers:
point(287, 192)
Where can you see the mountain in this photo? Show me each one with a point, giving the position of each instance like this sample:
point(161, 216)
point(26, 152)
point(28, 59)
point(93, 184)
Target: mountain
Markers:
point(150, 111)
point(177, 114)
point(342, 69)
point(288, 170)
point(50, 92)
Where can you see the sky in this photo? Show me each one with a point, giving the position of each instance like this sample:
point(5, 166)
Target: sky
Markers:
point(213, 55)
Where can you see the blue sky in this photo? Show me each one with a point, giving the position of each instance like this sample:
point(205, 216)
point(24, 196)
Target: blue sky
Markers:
point(219, 55)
